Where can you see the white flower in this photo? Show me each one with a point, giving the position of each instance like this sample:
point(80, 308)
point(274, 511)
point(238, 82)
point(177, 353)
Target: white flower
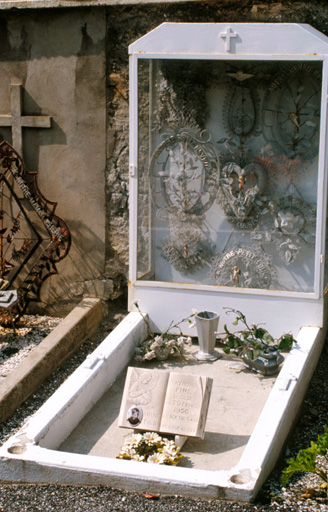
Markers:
point(134, 440)
point(156, 343)
point(149, 355)
point(194, 312)
point(128, 451)
point(181, 341)
point(151, 438)
point(156, 458)
point(160, 450)
point(169, 451)
point(192, 324)
point(169, 444)
point(139, 458)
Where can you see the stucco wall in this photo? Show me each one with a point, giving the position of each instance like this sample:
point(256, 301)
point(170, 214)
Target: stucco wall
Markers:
point(59, 57)
point(73, 65)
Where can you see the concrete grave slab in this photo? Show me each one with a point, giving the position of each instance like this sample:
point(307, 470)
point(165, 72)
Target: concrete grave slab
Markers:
point(63, 443)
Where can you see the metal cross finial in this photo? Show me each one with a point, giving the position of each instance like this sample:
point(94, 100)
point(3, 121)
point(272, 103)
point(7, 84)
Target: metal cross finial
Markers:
point(227, 36)
point(17, 121)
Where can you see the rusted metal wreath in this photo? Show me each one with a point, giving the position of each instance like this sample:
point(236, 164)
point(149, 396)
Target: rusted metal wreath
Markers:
point(33, 239)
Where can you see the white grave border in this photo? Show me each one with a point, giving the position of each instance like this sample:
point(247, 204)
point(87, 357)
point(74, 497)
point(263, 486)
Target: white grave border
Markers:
point(32, 456)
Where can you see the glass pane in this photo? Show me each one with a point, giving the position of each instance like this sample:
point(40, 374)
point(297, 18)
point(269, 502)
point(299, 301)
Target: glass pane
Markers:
point(228, 164)
point(144, 209)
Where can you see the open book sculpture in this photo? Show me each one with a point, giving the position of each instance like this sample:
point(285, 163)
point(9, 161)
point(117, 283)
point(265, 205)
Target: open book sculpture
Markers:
point(163, 401)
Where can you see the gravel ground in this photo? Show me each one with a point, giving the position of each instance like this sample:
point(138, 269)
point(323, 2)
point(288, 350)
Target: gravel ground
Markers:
point(15, 346)
point(62, 498)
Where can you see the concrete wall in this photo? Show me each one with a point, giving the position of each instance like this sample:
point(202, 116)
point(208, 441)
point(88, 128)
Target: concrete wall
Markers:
point(59, 57)
point(73, 64)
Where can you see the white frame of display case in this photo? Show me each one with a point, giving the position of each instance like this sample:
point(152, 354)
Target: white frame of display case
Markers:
point(203, 41)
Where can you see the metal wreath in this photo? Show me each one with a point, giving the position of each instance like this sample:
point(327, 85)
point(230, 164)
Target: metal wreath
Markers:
point(33, 239)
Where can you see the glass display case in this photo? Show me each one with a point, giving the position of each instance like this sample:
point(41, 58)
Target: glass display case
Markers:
point(227, 162)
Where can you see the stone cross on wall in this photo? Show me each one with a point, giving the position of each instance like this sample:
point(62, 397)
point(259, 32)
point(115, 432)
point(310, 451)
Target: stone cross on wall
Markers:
point(17, 121)
point(227, 36)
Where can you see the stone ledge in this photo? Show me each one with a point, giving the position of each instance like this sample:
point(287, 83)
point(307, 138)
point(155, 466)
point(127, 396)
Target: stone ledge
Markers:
point(44, 4)
point(75, 328)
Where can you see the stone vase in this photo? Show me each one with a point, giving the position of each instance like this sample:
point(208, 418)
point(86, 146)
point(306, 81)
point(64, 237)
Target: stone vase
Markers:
point(207, 324)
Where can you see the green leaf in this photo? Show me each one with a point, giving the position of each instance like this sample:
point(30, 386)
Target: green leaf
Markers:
point(305, 459)
point(250, 354)
point(247, 336)
point(286, 341)
point(233, 341)
point(235, 322)
point(322, 442)
point(268, 338)
point(259, 332)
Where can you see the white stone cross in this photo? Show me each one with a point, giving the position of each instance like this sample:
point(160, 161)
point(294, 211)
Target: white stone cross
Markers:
point(227, 36)
point(17, 121)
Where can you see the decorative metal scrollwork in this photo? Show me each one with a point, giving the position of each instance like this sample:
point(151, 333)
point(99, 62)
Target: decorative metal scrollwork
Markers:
point(291, 113)
point(184, 173)
point(241, 192)
point(187, 249)
point(244, 267)
point(32, 238)
point(290, 225)
point(263, 117)
point(241, 106)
